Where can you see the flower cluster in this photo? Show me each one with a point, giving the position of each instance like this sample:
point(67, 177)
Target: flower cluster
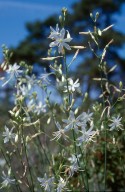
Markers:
point(59, 39)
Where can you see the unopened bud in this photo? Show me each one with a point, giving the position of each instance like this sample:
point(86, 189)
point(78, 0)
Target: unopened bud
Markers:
point(120, 84)
point(17, 113)
point(16, 138)
point(48, 121)
point(96, 16)
point(64, 10)
point(86, 95)
point(91, 15)
point(76, 111)
point(60, 19)
point(27, 139)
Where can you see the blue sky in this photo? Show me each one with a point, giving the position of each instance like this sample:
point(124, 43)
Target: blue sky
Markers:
point(15, 13)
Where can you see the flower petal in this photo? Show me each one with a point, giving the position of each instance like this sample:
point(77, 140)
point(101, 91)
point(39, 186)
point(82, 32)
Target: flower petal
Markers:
point(66, 46)
point(62, 33)
point(53, 44)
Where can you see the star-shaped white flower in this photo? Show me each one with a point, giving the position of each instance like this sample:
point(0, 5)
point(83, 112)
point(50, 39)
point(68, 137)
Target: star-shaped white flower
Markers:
point(40, 108)
point(61, 185)
point(8, 134)
point(72, 122)
point(45, 77)
point(75, 122)
point(54, 33)
point(23, 90)
point(116, 123)
point(74, 164)
point(7, 180)
point(74, 158)
point(13, 72)
point(72, 86)
point(31, 81)
point(60, 40)
point(87, 135)
point(60, 133)
point(47, 183)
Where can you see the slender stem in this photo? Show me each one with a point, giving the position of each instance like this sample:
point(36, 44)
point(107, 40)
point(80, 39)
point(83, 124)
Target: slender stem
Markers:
point(105, 142)
point(66, 71)
point(29, 168)
point(75, 150)
point(105, 168)
point(74, 143)
point(85, 167)
point(22, 166)
point(46, 155)
point(39, 149)
point(39, 141)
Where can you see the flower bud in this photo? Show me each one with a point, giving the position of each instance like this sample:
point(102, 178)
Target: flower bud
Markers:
point(120, 84)
point(60, 19)
point(16, 138)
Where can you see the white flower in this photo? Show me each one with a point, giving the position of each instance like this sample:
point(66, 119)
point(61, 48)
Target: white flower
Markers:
point(31, 105)
point(31, 81)
point(45, 77)
point(75, 123)
point(74, 158)
point(87, 135)
point(72, 85)
point(7, 180)
point(40, 108)
point(72, 122)
point(73, 169)
point(61, 185)
point(13, 71)
point(24, 90)
point(116, 123)
point(8, 134)
point(54, 33)
point(60, 133)
point(86, 117)
point(60, 40)
point(47, 183)
point(74, 164)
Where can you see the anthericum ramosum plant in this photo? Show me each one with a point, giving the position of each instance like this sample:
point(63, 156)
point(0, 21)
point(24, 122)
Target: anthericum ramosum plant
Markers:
point(51, 142)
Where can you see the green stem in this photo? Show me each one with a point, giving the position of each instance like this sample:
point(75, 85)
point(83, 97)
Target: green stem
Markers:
point(85, 167)
point(46, 155)
point(105, 143)
point(66, 71)
point(20, 157)
point(75, 151)
point(105, 168)
point(29, 168)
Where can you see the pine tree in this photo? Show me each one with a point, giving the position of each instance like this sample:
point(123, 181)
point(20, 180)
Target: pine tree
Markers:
point(34, 46)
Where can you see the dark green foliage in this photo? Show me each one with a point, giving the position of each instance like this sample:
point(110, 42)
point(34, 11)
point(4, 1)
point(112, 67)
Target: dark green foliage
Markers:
point(34, 46)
